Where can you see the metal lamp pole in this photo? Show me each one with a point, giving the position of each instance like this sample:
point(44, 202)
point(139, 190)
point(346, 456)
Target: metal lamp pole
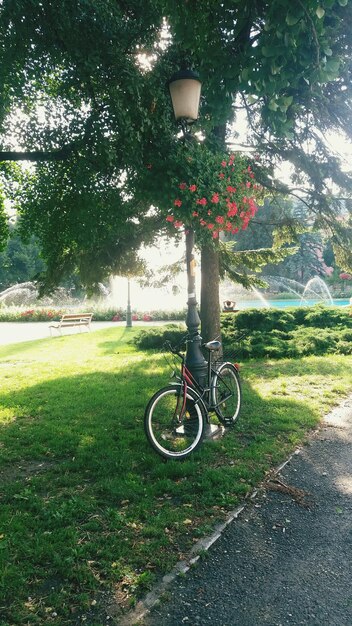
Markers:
point(185, 88)
point(128, 311)
point(194, 357)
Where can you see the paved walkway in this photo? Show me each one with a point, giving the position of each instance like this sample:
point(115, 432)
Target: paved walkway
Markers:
point(15, 332)
point(287, 558)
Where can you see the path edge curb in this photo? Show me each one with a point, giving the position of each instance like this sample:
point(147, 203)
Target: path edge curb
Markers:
point(143, 606)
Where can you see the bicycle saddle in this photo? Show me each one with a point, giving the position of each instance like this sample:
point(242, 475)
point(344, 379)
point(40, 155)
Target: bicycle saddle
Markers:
point(213, 345)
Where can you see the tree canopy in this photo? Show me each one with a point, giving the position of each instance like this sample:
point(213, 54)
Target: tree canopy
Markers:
point(83, 97)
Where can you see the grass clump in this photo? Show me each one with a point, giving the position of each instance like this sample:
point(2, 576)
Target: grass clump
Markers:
point(87, 510)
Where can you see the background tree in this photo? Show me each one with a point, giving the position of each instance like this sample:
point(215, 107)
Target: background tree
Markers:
point(74, 71)
point(19, 262)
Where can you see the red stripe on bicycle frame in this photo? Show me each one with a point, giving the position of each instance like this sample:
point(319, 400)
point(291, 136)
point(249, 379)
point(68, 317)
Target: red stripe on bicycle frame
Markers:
point(186, 374)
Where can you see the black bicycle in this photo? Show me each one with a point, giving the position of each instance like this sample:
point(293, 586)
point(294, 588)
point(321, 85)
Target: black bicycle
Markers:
point(177, 415)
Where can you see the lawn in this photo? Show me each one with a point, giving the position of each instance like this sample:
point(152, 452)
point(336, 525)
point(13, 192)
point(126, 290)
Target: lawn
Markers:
point(90, 515)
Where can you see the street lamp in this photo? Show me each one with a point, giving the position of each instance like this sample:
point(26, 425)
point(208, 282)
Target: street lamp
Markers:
point(185, 88)
point(129, 310)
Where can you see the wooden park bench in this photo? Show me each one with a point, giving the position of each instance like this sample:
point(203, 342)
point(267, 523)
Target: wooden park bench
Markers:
point(72, 319)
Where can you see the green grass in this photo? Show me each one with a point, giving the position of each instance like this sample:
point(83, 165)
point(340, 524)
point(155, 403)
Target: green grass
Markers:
point(89, 514)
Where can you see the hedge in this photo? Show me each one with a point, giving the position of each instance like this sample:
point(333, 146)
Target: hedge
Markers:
point(273, 333)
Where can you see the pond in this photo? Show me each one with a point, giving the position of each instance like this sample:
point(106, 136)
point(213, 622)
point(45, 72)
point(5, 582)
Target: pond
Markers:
point(283, 304)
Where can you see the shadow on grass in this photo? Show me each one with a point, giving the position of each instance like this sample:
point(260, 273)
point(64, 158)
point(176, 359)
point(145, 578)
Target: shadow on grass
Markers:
point(83, 486)
point(98, 417)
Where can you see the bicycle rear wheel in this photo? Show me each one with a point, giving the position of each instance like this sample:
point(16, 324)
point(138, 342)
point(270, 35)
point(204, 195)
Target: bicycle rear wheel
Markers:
point(227, 393)
point(174, 424)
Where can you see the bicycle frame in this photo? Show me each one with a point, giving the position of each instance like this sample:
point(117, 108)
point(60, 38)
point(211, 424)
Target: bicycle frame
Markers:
point(204, 394)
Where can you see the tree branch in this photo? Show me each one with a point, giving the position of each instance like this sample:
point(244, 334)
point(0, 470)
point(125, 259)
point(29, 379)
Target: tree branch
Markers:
point(36, 155)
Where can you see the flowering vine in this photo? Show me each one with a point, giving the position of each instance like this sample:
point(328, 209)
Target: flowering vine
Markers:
point(222, 199)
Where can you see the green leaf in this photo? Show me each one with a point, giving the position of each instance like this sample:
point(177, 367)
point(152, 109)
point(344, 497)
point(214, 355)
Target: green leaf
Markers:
point(343, 3)
point(332, 65)
point(268, 52)
point(273, 106)
point(320, 12)
point(291, 20)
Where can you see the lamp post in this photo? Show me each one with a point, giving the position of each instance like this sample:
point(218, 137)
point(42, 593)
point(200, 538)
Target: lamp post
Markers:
point(185, 88)
point(129, 310)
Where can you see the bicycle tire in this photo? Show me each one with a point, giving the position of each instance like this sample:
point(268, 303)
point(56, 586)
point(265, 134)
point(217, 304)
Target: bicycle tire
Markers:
point(227, 393)
point(171, 436)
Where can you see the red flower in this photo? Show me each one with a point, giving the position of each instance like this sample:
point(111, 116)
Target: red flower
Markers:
point(170, 218)
point(345, 276)
point(232, 206)
point(183, 186)
point(178, 224)
point(193, 187)
point(178, 202)
point(215, 234)
point(202, 201)
point(223, 163)
point(215, 198)
point(219, 219)
point(221, 175)
point(195, 214)
point(211, 226)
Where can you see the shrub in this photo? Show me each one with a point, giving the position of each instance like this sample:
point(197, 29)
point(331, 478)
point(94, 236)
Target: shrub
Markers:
point(321, 316)
point(263, 320)
point(271, 333)
point(155, 338)
point(307, 341)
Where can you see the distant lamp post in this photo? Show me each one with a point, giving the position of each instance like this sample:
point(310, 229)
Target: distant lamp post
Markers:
point(185, 89)
point(129, 310)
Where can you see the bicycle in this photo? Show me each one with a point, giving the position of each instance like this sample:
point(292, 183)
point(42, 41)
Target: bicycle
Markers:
point(177, 415)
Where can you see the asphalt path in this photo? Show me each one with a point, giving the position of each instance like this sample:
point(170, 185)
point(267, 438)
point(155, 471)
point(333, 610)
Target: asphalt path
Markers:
point(287, 558)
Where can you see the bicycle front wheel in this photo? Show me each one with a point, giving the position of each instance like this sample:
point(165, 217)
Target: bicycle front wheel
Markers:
point(174, 422)
point(227, 393)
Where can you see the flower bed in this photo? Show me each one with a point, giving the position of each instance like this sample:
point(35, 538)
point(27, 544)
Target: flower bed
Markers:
point(42, 314)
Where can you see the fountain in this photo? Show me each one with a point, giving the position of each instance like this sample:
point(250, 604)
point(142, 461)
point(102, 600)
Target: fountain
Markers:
point(19, 295)
point(317, 289)
point(313, 292)
point(26, 294)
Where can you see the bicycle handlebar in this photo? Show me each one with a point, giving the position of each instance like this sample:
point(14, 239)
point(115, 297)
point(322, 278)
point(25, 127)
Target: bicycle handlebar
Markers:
point(176, 349)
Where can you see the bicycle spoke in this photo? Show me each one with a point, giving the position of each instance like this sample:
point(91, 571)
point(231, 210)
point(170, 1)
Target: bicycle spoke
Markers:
point(174, 428)
point(227, 393)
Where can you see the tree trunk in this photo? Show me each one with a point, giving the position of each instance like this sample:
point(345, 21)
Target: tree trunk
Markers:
point(209, 295)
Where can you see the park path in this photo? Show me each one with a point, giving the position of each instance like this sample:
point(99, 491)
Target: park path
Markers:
point(287, 558)
point(16, 332)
